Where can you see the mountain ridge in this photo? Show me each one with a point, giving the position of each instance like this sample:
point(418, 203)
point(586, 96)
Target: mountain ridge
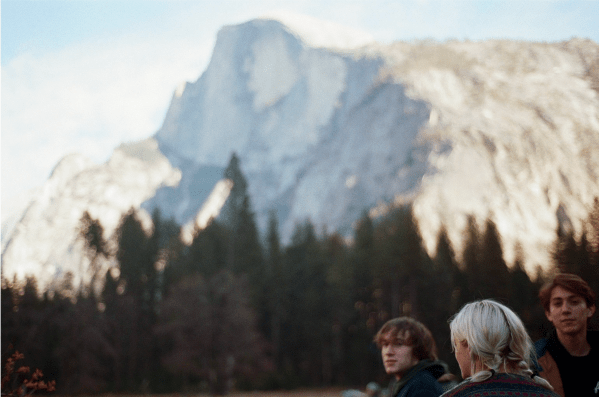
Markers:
point(501, 129)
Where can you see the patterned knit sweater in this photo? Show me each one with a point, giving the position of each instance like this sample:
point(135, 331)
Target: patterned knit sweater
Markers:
point(501, 385)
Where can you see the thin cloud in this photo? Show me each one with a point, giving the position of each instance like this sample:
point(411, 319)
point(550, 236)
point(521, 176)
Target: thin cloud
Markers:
point(88, 99)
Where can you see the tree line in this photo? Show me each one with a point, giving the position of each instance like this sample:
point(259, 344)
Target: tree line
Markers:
point(237, 310)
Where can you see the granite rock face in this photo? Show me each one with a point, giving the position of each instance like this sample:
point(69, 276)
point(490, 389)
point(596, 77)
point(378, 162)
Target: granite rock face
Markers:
point(326, 130)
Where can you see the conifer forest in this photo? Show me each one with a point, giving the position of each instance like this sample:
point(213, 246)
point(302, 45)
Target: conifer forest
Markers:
point(238, 310)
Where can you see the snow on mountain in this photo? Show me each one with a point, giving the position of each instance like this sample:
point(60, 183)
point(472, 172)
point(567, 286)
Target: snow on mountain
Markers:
point(327, 130)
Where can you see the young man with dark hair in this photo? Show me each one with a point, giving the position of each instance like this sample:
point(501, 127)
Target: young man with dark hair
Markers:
point(569, 357)
point(409, 353)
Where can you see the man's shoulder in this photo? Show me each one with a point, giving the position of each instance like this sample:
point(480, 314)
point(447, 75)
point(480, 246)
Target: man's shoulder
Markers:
point(423, 377)
point(541, 355)
point(423, 383)
point(547, 344)
point(541, 346)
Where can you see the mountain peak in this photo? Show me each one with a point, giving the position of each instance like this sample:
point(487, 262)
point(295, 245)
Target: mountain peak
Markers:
point(457, 129)
point(71, 165)
point(320, 33)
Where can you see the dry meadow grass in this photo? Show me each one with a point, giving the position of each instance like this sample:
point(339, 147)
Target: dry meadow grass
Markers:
point(327, 392)
point(292, 393)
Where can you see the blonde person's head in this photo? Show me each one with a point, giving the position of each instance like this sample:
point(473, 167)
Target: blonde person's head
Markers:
point(496, 338)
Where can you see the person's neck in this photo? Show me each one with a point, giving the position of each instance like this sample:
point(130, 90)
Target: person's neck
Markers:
point(576, 344)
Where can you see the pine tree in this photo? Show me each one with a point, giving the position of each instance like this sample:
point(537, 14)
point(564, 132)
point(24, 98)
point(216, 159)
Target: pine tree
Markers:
point(245, 252)
point(8, 325)
point(274, 292)
point(137, 254)
point(471, 261)
point(593, 223)
point(565, 248)
point(584, 258)
point(416, 259)
point(208, 252)
point(210, 332)
point(86, 351)
point(522, 292)
point(305, 304)
point(362, 362)
point(590, 269)
point(132, 241)
point(363, 257)
point(92, 233)
point(447, 282)
point(340, 281)
point(165, 230)
point(447, 272)
point(565, 255)
point(494, 280)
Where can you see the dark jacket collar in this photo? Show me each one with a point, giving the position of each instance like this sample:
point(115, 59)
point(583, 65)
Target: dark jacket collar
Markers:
point(556, 349)
point(435, 368)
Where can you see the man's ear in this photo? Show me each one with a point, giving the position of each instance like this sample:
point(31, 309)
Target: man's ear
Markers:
point(591, 311)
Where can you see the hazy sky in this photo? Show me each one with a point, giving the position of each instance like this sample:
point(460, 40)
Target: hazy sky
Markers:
point(85, 75)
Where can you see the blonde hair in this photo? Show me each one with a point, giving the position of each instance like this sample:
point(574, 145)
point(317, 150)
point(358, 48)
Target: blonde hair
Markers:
point(496, 337)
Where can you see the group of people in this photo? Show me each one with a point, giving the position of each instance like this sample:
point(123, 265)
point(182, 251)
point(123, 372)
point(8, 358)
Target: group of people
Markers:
point(495, 354)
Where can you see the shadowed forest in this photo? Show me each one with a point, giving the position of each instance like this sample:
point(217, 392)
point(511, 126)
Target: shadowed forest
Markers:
point(239, 311)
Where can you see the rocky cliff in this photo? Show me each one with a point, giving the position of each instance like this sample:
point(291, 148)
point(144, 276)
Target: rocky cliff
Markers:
point(328, 129)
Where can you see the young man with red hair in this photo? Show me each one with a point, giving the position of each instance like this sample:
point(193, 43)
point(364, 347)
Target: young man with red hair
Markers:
point(569, 357)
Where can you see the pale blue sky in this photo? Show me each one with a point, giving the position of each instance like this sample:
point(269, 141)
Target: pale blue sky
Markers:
point(85, 75)
point(49, 25)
